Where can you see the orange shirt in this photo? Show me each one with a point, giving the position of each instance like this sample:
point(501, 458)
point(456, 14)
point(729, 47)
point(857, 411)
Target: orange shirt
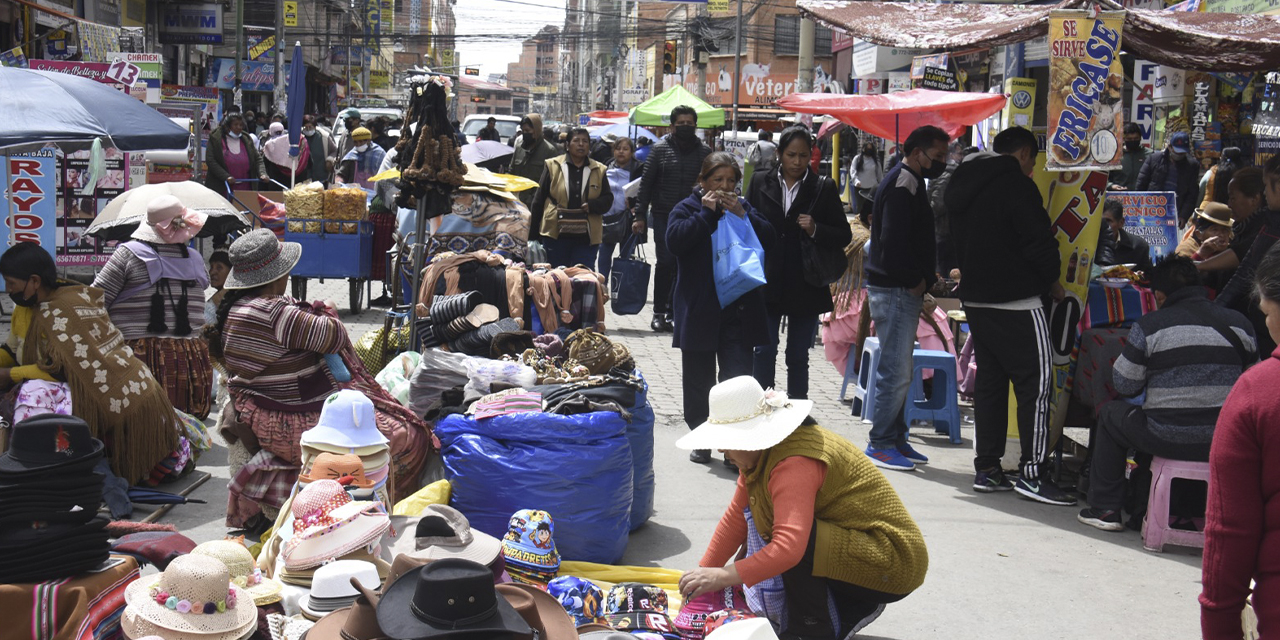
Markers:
point(793, 489)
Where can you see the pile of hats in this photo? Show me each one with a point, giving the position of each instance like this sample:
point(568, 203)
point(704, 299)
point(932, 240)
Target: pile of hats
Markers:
point(692, 619)
point(530, 548)
point(193, 599)
point(49, 527)
point(326, 525)
point(581, 599)
point(337, 585)
point(443, 532)
point(465, 323)
point(244, 573)
point(345, 446)
point(639, 608)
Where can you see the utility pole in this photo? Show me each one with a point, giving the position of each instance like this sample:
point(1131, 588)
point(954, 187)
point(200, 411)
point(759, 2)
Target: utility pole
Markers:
point(702, 66)
point(236, 94)
point(805, 81)
point(737, 67)
point(279, 92)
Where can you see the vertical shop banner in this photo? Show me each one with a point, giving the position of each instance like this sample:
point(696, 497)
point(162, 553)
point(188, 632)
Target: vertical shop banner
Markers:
point(1266, 124)
point(1021, 107)
point(1152, 216)
point(1085, 91)
point(1143, 113)
point(1075, 207)
point(31, 210)
point(1206, 139)
point(75, 248)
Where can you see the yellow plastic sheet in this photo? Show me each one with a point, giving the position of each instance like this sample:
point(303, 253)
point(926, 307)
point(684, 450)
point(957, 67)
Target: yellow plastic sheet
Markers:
point(605, 576)
point(435, 493)
point(516, 184)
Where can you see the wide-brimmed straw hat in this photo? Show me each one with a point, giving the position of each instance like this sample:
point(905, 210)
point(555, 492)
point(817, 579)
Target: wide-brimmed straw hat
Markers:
point(244, 573)
point(259, 258)
point(745, 417)
point(194, 595)
point(328, 525)
point(169, 222)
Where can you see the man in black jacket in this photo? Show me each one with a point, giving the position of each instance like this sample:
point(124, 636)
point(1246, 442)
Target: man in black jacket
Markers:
point(669, 175)
point(900, 269)
point(1173, 170)
point(1009, 259)
point(1129, 249)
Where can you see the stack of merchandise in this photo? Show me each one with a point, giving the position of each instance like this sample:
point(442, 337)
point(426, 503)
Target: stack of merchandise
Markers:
point(337, 585)
point(328, 525)
point(193, 599)
point(305, 202)
point(244, 574)
point(349, 205)
point(530, 548)
point(49, 527)
point(464, 323)
point(636, 608)
point(346, 446)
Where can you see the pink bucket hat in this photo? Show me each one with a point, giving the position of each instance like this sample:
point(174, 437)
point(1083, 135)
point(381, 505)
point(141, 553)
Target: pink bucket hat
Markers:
point(168, 222)
point(328, 524)
point(693, 615)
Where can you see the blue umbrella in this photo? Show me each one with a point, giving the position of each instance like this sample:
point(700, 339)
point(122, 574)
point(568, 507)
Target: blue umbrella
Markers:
point(48, 106)
point(297, 92)
point(624, 131)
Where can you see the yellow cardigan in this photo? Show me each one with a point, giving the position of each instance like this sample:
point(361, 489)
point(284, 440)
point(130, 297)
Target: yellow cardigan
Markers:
point(19, 325)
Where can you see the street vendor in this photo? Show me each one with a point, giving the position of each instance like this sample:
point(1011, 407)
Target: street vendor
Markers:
point(153, 287)
point(273, 349)
point(60, 331)
point(232, 158)
point(821, 524)
point(362, 161)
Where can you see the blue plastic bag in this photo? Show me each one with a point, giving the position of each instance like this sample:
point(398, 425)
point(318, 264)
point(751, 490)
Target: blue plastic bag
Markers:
point(577, 468)
point(640, 434)
point(737, 258)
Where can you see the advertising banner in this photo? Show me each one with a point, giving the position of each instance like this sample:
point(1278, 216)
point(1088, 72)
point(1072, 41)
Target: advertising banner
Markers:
point(939, 79)
point(78, 208)
point(1143, 112)
point(1152, 216)
point(1075, 207)
point(261, 43)
point(254, 76)
point(30, 213)
point(190, 23)
point(1266, 124)
point(1021, 107)
point(1086, 83)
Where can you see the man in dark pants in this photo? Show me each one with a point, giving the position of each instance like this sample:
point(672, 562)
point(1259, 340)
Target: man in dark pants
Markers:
point(1182, 360)
point(669, 175)
point(1009, 257)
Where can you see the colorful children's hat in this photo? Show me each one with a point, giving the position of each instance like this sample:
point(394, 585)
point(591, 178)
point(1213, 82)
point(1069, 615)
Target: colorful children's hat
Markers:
point(530, 541)
point(244, 573)
point(693, 615)
point(632, 606)
point(720, 618)
point(347, 419)
point(581, 598)
point(328, 525)
point(194, 595)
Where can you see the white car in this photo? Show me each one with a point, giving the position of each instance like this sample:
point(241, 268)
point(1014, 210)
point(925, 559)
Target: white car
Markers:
point(508, 126)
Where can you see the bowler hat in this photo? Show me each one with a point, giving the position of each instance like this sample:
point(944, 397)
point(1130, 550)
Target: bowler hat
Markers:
point(47, 442)
point(447, 598)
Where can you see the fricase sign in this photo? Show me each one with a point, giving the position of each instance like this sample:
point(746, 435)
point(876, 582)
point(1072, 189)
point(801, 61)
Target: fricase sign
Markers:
point(1086, 85)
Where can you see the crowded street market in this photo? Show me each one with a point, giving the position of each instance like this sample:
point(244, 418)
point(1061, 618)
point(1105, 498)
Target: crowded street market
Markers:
point(313, 333)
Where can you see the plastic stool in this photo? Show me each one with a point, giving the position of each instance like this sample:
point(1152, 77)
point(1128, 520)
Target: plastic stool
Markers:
point(943, 408)
point(849, 373)
point(864, 391)
point(1155, 527)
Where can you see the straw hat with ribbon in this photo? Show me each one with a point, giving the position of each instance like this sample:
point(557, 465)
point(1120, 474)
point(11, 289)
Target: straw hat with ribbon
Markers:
point(745, 417)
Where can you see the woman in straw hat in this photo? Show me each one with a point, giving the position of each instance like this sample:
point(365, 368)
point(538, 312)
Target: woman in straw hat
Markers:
point(60, 331)
point(273, 349)
point(820, 522)
point(153, 287)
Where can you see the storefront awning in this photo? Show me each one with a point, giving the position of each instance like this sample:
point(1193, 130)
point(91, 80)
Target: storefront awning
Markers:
point(894, 115)
point(1195, 41)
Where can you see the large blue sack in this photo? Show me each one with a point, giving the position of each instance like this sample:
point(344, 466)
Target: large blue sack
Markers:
point(640, 434)
point(577, 468)
point(737, 258)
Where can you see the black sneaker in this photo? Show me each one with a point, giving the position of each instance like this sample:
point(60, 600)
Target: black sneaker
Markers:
point(700, 456)
point(658, 325)
point(991, 480)
point(1044, 490)
point(1099, 519)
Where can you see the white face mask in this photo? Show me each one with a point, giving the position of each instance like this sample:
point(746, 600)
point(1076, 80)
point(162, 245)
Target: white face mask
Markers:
point(361, 148)
point(308, 132)
point(234, 135)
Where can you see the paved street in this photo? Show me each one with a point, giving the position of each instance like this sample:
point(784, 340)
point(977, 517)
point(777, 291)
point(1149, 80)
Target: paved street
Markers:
point(999, 564)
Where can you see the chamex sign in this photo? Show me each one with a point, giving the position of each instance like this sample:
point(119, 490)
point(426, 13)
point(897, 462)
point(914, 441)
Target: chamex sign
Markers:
point(191, 23)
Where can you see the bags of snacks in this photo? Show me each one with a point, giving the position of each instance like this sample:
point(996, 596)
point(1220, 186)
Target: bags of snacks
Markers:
point(345, 204)
point(305, 202)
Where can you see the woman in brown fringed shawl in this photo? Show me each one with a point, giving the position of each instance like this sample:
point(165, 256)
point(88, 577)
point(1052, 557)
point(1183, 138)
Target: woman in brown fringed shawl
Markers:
point(71, 338)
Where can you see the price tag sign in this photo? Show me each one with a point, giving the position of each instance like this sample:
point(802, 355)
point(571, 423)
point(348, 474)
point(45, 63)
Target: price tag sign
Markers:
point(124, 72)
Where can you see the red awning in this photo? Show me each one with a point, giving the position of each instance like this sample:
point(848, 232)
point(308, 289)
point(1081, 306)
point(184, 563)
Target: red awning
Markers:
point(1195, 41)
point(894, 115)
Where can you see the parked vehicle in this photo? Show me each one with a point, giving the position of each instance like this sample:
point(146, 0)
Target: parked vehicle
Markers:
point(508, 126)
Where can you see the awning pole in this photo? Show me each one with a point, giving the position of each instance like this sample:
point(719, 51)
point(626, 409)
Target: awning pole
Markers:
point(8, 189)
point(737, 67)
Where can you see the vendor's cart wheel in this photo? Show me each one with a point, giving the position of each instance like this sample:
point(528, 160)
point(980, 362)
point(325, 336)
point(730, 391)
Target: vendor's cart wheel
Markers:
point(357, 294)
point(299, 287)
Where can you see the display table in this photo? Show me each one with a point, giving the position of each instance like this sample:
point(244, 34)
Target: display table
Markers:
point(86, 607)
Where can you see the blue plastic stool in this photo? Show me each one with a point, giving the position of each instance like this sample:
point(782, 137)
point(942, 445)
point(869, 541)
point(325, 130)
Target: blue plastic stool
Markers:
point(942, 409)
point(864, 390)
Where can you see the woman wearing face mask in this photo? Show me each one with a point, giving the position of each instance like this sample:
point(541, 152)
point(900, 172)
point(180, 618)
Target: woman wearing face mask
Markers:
point(568, 210)
point(866, 173)
point(1246, 197)
point(798, 203)
point(362, 161)
point(111, 390)
point(281, 166)
point(705, 333)
point(622, 170)
point(320, 148)
point(232, 160)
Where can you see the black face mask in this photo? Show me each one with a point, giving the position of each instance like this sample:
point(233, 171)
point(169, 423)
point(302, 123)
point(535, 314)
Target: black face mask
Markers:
point(686, 132)
point(23, 300)
point(935, 169)
point(1133, 146)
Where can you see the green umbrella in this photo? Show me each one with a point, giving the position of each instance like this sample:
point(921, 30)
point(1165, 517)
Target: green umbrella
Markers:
point(656, 112)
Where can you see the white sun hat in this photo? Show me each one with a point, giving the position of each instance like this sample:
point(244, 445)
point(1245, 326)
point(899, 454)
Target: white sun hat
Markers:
point(745, 417)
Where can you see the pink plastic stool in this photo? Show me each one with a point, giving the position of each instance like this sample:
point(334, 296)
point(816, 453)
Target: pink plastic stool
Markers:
point(1155, 527)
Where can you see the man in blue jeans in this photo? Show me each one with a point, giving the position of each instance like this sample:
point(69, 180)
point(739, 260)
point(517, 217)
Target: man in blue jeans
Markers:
point(900, 269)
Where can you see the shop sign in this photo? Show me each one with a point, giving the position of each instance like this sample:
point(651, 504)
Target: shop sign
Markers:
point(1170, 85)
point(939, 79)
point(840, 40)
point(1199, 116)
point(190, 23)
point(79, 205)
point(1251, 7)
point(871, 85)
point(1152, 216)
point(755, 89)
point(379, 80)
point(869, 58)
point(899, 81)
point(1021, 106)
point(254, 76)
point(13, 58)
point(1267, 123)
point(261, 43)
point(935, 61)
point(1085, 91)
point(290, 13)
point(32, 207)
point(151, 69)
point(1143, 112)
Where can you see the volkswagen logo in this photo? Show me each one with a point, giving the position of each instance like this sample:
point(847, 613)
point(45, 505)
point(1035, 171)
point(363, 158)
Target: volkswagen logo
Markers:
point(1022, 99)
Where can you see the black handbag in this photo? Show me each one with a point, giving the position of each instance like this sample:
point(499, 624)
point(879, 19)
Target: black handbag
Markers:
point(821, 265)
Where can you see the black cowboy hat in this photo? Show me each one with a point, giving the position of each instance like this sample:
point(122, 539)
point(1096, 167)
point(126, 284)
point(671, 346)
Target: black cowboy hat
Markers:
point(450, 597)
